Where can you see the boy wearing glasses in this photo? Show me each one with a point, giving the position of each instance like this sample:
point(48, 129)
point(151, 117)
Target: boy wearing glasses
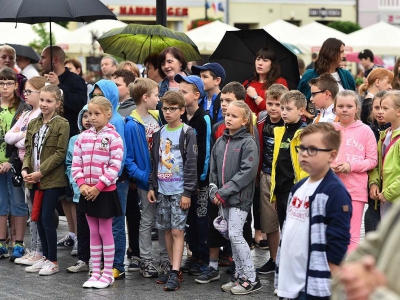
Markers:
point(323, 92)
point(316, 232)
point(172, 181)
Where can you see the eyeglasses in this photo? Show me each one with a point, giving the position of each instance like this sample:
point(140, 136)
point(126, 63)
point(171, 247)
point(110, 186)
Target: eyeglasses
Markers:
point(96, 95)
point(313, 94)
point(311, 151)
point(7, 83)
point(28, 92)
point(170, 109)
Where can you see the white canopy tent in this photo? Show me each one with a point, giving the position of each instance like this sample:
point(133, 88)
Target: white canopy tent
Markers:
point(207, 37)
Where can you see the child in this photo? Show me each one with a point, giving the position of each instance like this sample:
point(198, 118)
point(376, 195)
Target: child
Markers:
point(357, 155)
point(234, 172)
point(286, 170)
point(139, 129)
point(323, 91)
point(267, 121)
point(306, 258)
point(16, 136)
point(192, 88)
point(383, 180)
point(122, 80)
point(46, 145)
point(82, 227)
point(97, 160)
point(212, 75)
point(174, 178)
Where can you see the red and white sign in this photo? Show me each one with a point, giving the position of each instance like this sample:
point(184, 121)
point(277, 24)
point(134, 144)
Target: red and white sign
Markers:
point(124, 10)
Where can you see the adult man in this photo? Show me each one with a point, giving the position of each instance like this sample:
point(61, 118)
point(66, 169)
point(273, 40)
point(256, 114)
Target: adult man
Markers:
point(366, 58)
point(313, 59)
point(27, 68)
point(108, 66)
point(72, 85)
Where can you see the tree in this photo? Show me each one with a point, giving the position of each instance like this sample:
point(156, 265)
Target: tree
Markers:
point(344, 26)
point(44, 38)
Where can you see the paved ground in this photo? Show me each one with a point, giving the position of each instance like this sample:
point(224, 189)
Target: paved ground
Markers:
point(15, 283)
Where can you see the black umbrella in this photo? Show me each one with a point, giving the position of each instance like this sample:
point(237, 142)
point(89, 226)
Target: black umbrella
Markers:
point(40, 11)
point(26, 51)
point(237, 50)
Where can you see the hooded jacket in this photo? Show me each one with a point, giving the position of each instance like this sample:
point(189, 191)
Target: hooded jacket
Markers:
point(110, 91)
point(70, 154)
point(97, 158)
point(137, 163)
point(358, 148)
point(126, 107)
point(234, 164)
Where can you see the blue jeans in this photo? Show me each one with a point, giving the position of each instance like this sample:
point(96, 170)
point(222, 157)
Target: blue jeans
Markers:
point(46, 227)
point(12, 199)
point(118, 227)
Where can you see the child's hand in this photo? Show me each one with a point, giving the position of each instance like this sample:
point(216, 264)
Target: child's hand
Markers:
point(92, 193)
point(185, 202)
point(374, 191)
point(24, 173)
point(33, 177)
point(343, 168)
point(216, 201)
point(83, 189)
point(381, 198)
point(151, 196)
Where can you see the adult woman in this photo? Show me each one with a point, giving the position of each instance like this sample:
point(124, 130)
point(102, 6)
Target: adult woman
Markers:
point(396, 78)
point(129, 66)
point(267, 72)
point(379, 79)
point(8, 59)
point(328, 61)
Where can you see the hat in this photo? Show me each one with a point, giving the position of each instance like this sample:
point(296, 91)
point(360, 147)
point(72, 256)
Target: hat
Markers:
point(215, 67)
point(196, 80)
point(366, 53)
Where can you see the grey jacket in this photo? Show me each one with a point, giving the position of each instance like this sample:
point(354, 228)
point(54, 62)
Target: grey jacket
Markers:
point(188, 148)
point(234, 164)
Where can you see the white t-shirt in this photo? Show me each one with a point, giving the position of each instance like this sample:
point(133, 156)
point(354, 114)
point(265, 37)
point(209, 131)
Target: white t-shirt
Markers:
point(38, 146)
point(294, 245)
point(326, 115)
point(339, 82)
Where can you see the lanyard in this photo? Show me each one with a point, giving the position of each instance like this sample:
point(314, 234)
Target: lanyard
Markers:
point(39, 140)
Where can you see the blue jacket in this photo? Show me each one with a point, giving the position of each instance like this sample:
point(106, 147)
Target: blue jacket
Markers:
point(137, 163)
point(110, 91)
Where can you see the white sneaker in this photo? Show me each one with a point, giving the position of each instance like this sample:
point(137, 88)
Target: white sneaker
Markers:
point(74, 251)
point(37, 266)
point(31, 259)
point(19, 260)
point(80, 266)
point(102, 285)
point(228, 286)
point(49, 268)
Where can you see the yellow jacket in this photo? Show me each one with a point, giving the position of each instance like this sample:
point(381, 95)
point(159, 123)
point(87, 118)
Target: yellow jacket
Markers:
point(299, 173)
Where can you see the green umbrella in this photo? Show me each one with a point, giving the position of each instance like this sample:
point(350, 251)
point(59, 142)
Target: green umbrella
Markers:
point(135, 42)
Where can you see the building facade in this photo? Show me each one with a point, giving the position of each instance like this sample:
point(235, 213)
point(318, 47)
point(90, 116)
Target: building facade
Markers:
point(373, 11)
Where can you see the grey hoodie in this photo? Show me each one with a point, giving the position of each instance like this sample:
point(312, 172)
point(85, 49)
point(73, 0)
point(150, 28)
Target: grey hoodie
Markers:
point(126, 107)
point(234, 165)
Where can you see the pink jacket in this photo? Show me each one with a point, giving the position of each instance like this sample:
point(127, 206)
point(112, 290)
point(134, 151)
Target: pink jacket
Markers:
point(359, 148)
point(17, 138)
point(97, 158)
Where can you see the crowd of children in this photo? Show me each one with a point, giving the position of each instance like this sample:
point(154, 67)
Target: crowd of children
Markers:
point(197, 177)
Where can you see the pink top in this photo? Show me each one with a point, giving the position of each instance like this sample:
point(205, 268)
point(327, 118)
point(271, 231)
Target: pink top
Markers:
point(359, 148)
point(17, 138)
point(97, 158)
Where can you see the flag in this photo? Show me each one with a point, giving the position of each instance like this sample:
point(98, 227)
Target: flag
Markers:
point(220, 6)
point(215, 6)
point(207, 5)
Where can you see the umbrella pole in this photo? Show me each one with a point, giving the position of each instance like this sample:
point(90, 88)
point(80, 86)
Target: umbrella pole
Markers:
point(51, 50)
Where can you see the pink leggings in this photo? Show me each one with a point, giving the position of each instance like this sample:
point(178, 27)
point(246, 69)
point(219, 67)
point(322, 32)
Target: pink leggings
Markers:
point(355, 224)
point(101, 241)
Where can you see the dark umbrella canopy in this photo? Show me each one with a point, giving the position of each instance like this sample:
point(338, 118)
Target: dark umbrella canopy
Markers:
point(26, 51)
point(237, 50)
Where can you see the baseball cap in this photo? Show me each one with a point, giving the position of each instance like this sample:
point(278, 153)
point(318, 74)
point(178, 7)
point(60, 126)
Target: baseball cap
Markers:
point(365, 54)
point(215, 67)
point(196, 80)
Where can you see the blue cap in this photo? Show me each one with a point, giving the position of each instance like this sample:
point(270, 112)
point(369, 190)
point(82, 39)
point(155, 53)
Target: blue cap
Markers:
point(196, 80)
point(215, 67)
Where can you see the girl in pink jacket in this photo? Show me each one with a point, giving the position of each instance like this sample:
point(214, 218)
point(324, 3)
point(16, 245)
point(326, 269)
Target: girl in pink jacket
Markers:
point(96, 162)
point(357, 155)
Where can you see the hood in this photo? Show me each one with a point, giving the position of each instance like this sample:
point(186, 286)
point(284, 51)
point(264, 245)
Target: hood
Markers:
point(356, 124)
point(128, 103)
point(110, 91)
point(106, 128)
point(83, 110)
point(241, 133)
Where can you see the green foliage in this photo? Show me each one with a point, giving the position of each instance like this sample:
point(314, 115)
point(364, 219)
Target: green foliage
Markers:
point(344, 26)
point(44, 38)
point(63, 24)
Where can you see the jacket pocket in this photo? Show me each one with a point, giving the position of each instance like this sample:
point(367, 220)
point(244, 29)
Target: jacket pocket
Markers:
point(52, 140)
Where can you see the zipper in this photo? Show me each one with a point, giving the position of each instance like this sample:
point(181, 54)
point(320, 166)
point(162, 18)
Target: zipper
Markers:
point(91, 159)
point(223, 162)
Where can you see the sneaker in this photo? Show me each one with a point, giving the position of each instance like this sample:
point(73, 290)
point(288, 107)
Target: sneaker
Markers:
point(262, 244)
point(173, 283)
point(49, 268)
point(228, 286)
point(25, 256)
point(103, 283)
point(225, 261)
point(79, 266)
point(17, 252)
point(133, 264)
point(164, 267)
point(32, 259)
point(231, 268)
point(148, 269)
point(197, 268)
point(4, 251)
point(275, 292)
point(245, 287)
point(209, 274)
point(37, 266)
point(74, 251)
point(66, 241)
point(89, 283)
point(268, 267)
point(118, 275)
point(163, 278)
point(190, 261)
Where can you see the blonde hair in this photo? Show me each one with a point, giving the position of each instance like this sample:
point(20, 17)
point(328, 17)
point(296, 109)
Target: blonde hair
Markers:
point(349, 93)
point(8, 48)
point(247, 114)
point(130, 66)
point(394, 96)
point(140, 87)
point(297, 97)
point(38, 82)
point(58, 96)
point(374, 75)
point(103, 103)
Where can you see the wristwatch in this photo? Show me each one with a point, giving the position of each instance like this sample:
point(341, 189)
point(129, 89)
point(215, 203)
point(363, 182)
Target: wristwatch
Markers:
point(255, 97)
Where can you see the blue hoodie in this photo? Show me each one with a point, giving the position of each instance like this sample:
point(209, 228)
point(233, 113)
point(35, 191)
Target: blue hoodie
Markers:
point(70, 153)
point(110, 91)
